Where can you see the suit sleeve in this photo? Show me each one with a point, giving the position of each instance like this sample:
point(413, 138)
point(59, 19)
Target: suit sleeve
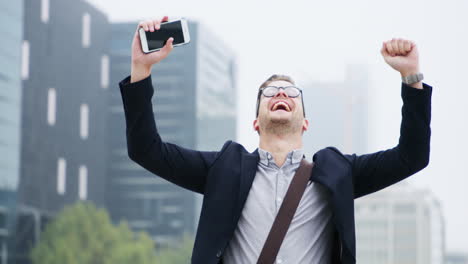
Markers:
point(184, 167)
point(373, 172)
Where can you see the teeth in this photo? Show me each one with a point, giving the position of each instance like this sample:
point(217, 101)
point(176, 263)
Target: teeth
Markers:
point(281, 103)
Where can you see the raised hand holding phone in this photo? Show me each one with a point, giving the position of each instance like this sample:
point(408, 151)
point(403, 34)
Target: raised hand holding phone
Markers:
point(142, 62)
point(152, 41)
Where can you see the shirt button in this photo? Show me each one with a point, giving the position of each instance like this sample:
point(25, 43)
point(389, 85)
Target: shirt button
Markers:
point(279, 200)
point(279, 261)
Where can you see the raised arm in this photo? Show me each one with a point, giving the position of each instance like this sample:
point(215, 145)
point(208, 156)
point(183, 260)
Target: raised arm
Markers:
point(372, 172)
point(184, 167)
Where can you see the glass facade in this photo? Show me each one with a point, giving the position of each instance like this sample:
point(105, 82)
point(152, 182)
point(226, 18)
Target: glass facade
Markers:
point(215, 91)
point(10, 92)
point(62, 113)
point(11, 30)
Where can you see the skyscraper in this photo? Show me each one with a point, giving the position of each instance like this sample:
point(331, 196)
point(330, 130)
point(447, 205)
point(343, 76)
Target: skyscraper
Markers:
point(65, 84)
point(337, 112)
point(194, 104)
point(456, 258)
point(400, 224)
point(11, 28)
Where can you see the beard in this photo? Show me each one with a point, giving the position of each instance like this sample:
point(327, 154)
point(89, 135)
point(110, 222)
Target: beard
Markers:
point(281, 126)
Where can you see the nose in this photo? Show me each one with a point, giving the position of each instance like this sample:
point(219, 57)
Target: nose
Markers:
point(281, 92)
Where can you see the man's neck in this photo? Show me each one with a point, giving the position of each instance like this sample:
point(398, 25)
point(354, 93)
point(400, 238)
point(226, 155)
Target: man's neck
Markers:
point(280, 145)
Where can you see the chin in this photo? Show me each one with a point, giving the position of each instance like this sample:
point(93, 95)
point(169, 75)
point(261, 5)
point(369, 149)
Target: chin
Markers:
point(280, 119)
point(284, 115)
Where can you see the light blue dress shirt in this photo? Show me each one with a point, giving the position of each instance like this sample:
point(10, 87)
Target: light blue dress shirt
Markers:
point(309, 237)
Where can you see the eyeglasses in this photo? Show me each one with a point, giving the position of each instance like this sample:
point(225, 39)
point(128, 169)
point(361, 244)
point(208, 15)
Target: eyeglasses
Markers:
point(271, 91)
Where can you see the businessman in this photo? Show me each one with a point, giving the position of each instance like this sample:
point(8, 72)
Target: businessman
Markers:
point(243, 191)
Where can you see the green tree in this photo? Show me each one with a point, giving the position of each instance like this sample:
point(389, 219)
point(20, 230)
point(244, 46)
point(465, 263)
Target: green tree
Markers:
point(83, 234)
point(177, 255)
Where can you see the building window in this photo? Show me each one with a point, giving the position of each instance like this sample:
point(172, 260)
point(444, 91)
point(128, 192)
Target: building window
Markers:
point(405, 208)
point(83, 183)
point(45, 11)
point(25, 60)
point(86, 30)
point(61, 175)
point(104, 71)
point(51, 106)
point(84, 121)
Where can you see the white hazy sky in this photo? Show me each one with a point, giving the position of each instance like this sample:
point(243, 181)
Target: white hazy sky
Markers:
point(314, 40)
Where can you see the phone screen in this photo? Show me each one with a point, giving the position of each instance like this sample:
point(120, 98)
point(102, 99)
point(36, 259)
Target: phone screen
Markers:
point(158, 38)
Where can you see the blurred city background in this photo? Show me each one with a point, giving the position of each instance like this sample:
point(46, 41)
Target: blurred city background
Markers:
point(66, 181)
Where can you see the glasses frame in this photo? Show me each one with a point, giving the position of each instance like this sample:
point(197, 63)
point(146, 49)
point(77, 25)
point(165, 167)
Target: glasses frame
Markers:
point(278, 88)
point(260, 93)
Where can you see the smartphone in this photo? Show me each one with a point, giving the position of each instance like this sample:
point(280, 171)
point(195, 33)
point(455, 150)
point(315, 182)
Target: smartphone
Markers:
point(154, 41)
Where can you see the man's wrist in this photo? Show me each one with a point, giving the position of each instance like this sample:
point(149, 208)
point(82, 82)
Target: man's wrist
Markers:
point(418, 85)
point(139, 72)
point(407, 73)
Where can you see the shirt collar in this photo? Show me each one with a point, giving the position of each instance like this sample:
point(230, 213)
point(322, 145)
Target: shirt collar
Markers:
point(294, 156)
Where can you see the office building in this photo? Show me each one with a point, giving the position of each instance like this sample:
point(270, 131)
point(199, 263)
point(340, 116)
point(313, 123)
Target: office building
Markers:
point(65, 81)
point(11, 28)
point(456, 258)
point(400, 224)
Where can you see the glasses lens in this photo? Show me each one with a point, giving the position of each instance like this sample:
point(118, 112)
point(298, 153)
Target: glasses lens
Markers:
point(292, 91)
point(270, 91)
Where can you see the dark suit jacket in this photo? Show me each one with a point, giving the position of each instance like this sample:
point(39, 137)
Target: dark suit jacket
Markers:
point(224, 177)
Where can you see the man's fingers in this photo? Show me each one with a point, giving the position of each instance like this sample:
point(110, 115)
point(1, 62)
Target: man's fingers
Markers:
point(168, 46)
point(143, 25)
point(162, 53)
point(389, 47)
point(383, 50)
point(157, 22)
point(401, 47)
point(394, 44)
point(407, 46)
point(398, 47)
point(151, 25)
point(137, 29)
point(414, 47)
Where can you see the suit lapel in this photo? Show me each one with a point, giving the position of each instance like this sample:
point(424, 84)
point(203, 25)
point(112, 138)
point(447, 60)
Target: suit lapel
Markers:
point(249, 164)
point(332, 172)
point(320, 174)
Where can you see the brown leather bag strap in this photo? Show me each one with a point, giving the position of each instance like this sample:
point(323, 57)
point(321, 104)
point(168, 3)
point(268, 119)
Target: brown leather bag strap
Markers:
point(286, 213)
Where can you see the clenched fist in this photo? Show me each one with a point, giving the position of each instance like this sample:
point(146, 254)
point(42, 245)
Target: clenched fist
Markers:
point(402, 55)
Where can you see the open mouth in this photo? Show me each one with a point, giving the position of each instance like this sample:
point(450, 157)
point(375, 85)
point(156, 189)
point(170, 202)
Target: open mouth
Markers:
point(281, 105)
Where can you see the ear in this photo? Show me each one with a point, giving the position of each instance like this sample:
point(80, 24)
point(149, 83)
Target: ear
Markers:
point(255, 125)
point(305, 125)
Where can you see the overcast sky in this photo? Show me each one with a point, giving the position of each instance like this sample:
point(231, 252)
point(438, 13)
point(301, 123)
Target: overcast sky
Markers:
point(314, 40)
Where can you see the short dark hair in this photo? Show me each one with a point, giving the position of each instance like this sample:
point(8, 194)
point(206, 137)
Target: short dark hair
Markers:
point(276, 77)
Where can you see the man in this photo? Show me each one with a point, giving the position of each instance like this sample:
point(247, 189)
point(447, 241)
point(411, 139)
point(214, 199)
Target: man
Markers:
point(243, 191)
